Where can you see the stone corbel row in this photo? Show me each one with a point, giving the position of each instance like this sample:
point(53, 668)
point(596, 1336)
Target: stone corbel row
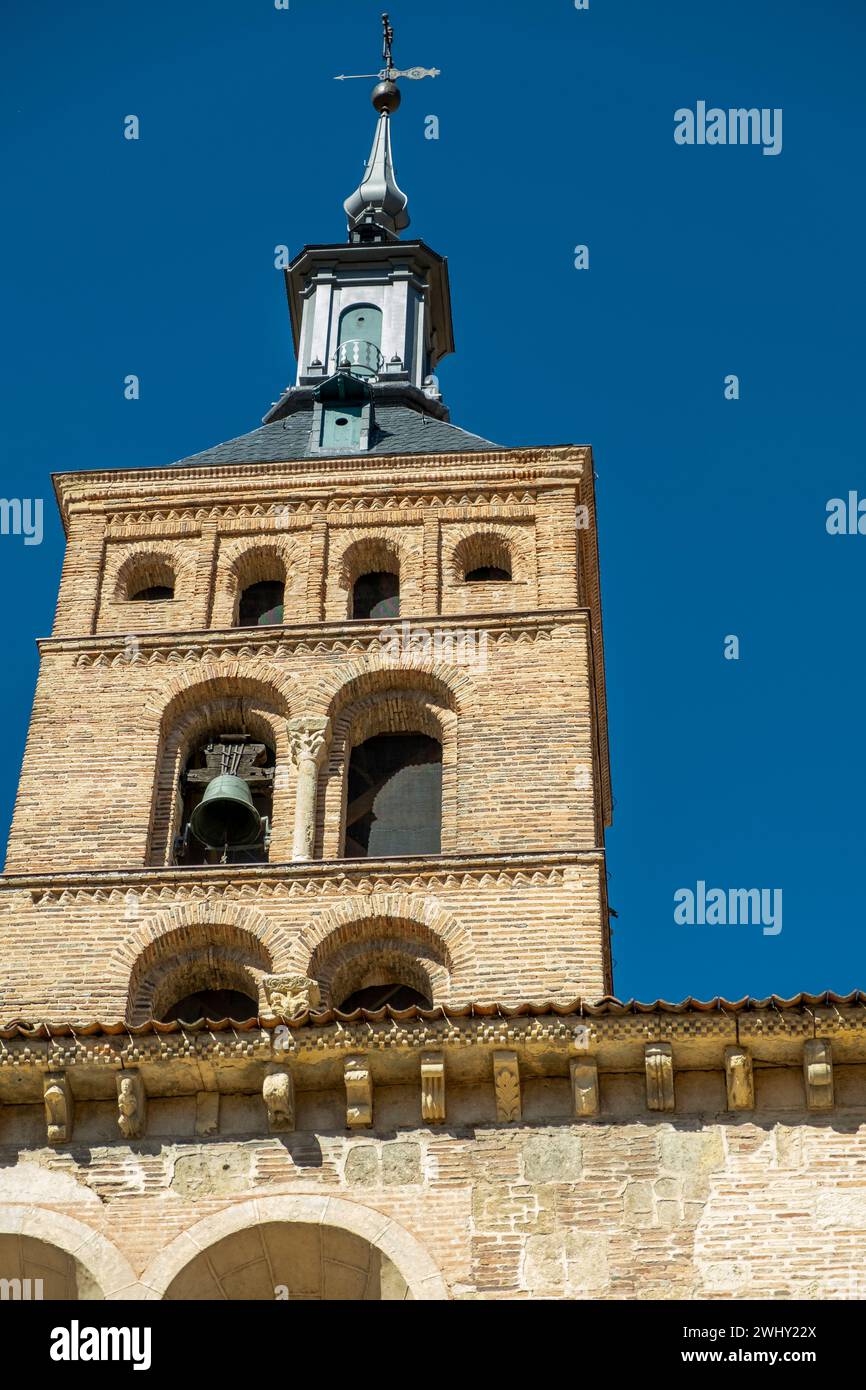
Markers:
point(278, 1093)
point(278, 1090)
point(583, 1072)
point(60, 1108)
point(739, 1076)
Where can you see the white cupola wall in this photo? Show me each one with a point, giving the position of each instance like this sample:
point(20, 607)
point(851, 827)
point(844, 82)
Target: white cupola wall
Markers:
point(382, 310)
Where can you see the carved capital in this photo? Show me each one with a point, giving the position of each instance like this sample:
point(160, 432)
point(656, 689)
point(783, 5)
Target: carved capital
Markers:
point(584, 1085)
point(432, 1087)
point(506, 1083)
point(58, 1107)
point(131, 1104)
point(278, 1093)
point(289, 996)
point(359, 1092)
point(309, 737)
point(818, 1074)
point(659, 1059)
point(739, 1079)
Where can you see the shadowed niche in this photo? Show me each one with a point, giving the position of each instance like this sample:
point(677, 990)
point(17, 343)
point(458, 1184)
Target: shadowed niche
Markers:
point(394, 802)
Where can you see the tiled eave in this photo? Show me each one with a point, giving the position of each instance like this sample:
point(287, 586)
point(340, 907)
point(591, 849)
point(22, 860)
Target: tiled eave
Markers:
point(177, 1059)
point(579, 1011)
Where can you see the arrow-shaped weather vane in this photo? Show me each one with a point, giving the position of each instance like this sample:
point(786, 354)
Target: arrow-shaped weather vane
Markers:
point(388, 73)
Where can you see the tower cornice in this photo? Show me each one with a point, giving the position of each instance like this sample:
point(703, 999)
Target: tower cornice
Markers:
point(426, 474)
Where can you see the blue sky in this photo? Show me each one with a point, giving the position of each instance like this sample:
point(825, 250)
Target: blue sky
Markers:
point(155, 257)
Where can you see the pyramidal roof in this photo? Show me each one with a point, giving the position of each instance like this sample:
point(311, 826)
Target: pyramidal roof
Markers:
point(398, 429)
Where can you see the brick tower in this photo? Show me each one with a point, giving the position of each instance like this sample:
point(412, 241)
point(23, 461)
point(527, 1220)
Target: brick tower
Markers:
point(306, 876)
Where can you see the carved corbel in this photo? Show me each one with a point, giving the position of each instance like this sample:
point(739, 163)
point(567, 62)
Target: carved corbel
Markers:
point(58, 1107)
point(289, 996)
point(584, 1085)
point(359, 1092)
point(278, 1093)
point(818, 1074)
point(432, 1087)
point(739, 1079)
point(131, 1104)
point(506, 1084)
point(659, 1060)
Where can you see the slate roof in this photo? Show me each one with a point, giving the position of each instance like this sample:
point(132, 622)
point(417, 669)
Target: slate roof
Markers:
point(398, 430)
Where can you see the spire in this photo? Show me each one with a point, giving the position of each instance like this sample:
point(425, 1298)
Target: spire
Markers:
point(378, 202)
point(377, 209)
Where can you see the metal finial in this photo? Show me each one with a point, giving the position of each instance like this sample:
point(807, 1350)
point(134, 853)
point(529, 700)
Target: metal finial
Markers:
point(387, 55)
point(389, 73)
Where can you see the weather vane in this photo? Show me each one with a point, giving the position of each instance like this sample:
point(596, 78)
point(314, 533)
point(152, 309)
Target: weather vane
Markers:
point(389, 72)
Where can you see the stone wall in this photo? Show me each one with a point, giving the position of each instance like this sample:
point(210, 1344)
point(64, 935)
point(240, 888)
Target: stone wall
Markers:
point(700, 1203)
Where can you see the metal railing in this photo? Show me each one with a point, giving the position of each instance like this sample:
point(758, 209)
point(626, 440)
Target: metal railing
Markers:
point(360, 356)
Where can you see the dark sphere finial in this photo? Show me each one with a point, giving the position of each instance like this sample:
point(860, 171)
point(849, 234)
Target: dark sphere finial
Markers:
point(386, 97)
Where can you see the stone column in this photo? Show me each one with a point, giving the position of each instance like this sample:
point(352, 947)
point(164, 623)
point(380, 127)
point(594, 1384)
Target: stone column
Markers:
point(309, 737)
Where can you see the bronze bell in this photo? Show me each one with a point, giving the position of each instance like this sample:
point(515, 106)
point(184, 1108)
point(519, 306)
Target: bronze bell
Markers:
point(226, 816)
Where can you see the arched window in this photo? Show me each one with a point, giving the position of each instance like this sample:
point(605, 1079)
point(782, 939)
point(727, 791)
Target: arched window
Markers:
point(483, 559)
point(360, 339)
point(394, 800)
point(215, 1004)
point(146, 579)
point(377, 996)
point(153, 593)
point(227, 793)
point(261, 604)
point(486, 574)
point(376, 595)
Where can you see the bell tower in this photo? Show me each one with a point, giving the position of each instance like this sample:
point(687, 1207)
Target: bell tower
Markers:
point(328, 701)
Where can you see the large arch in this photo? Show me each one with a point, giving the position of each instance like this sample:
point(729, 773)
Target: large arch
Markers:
point(191, 708)
point(379, 698)
point(253, 942)
point(405, 1252)
point(105, 1266)
point(415, 667)
point(186, 692)
point(387, 919)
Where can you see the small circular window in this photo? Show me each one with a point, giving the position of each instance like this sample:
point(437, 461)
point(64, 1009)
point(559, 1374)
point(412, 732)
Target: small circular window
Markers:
point(342, 420)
